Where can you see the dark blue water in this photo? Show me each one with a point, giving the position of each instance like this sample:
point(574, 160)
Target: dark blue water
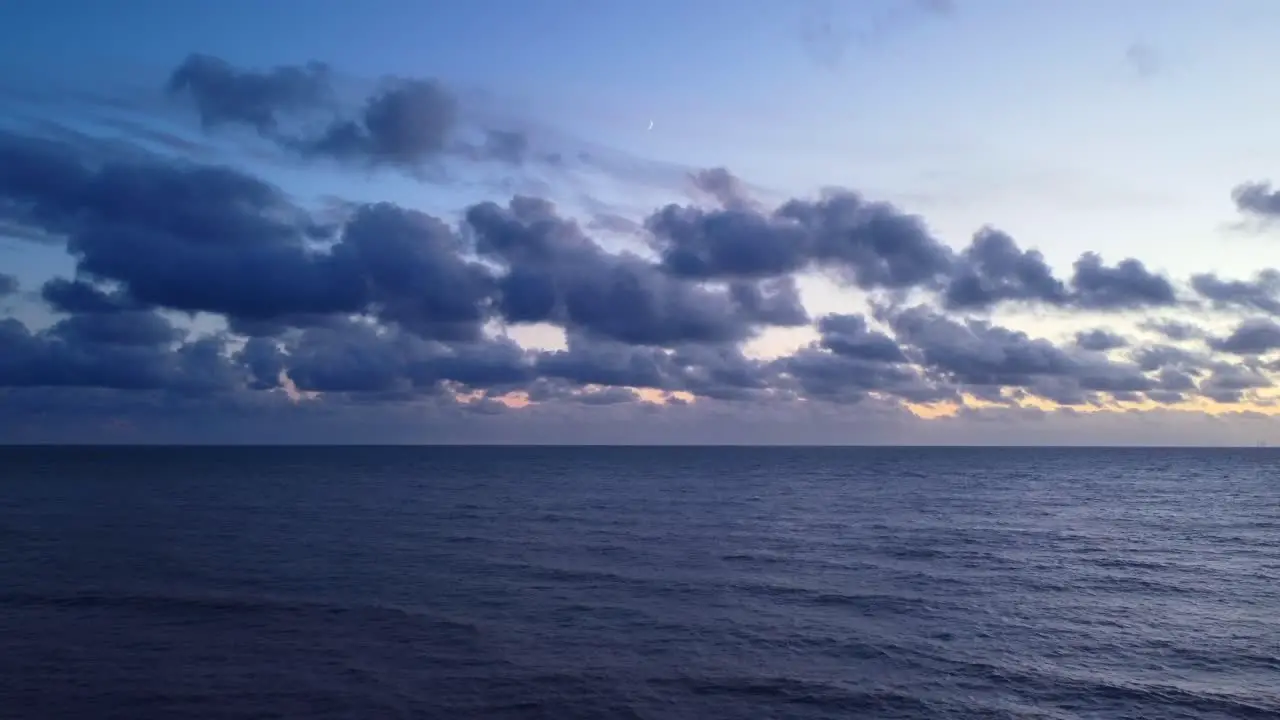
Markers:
point(639, 583)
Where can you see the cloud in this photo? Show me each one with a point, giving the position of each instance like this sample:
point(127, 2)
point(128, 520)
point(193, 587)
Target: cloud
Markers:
point(1161, 357)
point(976, 353)
point(358, 358)
point(851, 361)
point(405, 123)
point(725, 187)
point(867, 244)
point(1260, 293)
point(1259, 199)
point(212, 239)
point(1227, 383)
point(1126, 286)
point(874, 245)
point(202, 289)
point(994, 269)
point(1099, 340)
point(82, 297)
point(226, 95)
point(1174, 330)
point(134, 351)
point(409, 124)
point(555, 273)
point(1254, 336)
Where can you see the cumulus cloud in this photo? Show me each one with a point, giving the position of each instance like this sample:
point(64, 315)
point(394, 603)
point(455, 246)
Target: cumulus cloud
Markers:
point(1100, 340)
point(556, 273)
point(874, 245)
point(994, 270)
point(976, 353)
point(1257, 198)
point(136, 351)
point(1254, 336)
point(1262, 292)
point(868, 244)
point(226, 95)
point(404, 124)
point(1174, 330)
point(200, 287)
point(409, 124)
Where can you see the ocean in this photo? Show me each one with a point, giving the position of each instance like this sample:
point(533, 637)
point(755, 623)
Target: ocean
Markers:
point(500, 582)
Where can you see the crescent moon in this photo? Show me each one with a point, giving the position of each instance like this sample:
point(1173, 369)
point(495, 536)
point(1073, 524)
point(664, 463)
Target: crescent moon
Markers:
point(650, 124)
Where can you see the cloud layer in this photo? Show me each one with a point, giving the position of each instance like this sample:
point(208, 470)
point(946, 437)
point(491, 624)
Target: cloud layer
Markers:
point(203, 291)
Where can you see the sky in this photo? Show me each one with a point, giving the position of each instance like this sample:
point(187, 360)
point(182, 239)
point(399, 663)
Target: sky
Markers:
point(794, 221)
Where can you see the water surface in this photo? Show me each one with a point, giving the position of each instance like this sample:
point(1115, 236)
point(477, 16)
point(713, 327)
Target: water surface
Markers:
point(639, 583)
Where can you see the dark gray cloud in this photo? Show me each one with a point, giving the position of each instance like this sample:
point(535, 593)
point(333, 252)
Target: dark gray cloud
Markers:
point(770, 302)
point(38, 182)
point(1260, 293)
point(849, 336)
point(1100, 340)
point(852, 360)
point(1126, 286)
point(846, 379)
point(869, 244)
point(133, 351)
point(722, 372)
point(726, 188)
point(975, 353)
point(1170, 379)
point(226, 95)
point(136, 328)
point(875, 246)
point(1156, 357)
point(1259, 199)
point(381, 305)
point(1254, 336)
point(80, 296)
point(1228, 383)
point(407, 123)
point(1174, 330)
point(994, 269)
point(211, 239)
point(8, 285)
point(361, 358)
point(404, 122)
point(556, 273)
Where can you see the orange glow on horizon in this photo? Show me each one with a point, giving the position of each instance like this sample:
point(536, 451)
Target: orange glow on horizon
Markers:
point(925, 411)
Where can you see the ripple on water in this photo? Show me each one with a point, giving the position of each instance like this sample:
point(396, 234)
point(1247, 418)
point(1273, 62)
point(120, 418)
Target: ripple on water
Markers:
point(679, 583)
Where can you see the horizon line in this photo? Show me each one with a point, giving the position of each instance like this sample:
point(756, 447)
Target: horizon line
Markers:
point(815, 446)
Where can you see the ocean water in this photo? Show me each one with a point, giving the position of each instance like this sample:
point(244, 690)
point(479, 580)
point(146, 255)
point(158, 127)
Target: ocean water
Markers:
point(639, 583)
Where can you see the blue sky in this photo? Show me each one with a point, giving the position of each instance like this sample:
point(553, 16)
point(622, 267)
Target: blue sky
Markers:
point(1112, 127)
